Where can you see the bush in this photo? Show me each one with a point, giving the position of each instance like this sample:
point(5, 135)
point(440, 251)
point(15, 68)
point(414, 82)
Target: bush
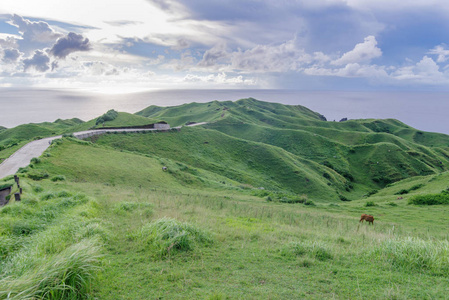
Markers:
point(37, 188)
point(109, 116)
point(430, 199)
point(372, 192)
point(7, 184)
point(343, 198)
point(38, 174)
point(35, 160)
point(309, 202)
point(370, 203)
point(48, 196)
point(416, 186)
point(166, 235)
point(128, 206)
point(58, 178)
point(401, 192)
point(315, 249)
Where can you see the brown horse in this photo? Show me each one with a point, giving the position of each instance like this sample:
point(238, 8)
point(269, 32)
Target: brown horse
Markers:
point(368, 218)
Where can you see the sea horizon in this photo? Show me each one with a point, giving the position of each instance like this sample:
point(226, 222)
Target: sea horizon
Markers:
point(426, 111)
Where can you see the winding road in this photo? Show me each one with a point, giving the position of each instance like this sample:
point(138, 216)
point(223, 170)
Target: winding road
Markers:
point(22, 157)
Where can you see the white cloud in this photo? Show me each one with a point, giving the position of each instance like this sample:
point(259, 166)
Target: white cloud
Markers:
point(39, 32)
point(350, 70)
point(362, 52)
point(220, 78)
point(441, 52)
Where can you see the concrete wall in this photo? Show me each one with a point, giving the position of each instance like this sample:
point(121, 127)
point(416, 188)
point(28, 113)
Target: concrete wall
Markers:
point(3, 194)
point(161, 126)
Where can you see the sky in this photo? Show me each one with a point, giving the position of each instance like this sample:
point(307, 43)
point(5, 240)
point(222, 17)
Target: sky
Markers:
point(123, 46)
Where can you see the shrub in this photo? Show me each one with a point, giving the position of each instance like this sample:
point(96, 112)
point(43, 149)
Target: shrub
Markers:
point(370, 203)
point(58, 178)
point(416, 186)
point(392, 204)
point(168, 235)
point(65, 194)
point(430, 199)
point(343, 198)
point(309, 202)
point(109, 116)
point(128, 206)
point(326, 175)
point(47, 196)
point(7, 184)
point(315, 249)
point(37, 188)
point(35, 160)
point(38, 174)
point(401, 192)
point(372, 192)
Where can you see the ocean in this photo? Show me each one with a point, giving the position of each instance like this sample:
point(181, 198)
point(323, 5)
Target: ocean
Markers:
point(426, 111)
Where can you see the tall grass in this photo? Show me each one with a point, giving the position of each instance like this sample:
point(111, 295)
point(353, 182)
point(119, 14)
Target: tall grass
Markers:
point(415, 254)
point(167, 235)
point(66, 275)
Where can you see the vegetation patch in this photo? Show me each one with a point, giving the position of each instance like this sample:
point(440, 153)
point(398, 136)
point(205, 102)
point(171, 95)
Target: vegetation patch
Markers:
point(37, 174)
point(129, 206)
point(315, 249)
point(58, 178)
point(167, 236)
point(430, 199)
point(109, 116)
point(281, 197)
point(65, 275)
point(415, 254)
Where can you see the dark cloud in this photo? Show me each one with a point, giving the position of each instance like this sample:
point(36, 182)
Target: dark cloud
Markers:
point(71, 43)
point(54, 65)
point(163, 4)
point(11, 55)
point(213, 55)
point(38, 32)
point(39, 62)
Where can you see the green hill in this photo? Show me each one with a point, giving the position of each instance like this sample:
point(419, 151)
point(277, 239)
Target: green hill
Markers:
point(367, 154)
point(246, 206)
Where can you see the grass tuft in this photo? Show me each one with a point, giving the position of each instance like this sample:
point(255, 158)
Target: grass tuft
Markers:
point(66, 275)
point(166, 236)
point(415, 254)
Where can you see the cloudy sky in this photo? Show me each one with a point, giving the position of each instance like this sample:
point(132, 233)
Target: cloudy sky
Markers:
point(134, 45)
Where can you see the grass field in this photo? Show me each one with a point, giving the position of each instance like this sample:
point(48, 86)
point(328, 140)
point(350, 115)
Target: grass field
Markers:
point(101, 219)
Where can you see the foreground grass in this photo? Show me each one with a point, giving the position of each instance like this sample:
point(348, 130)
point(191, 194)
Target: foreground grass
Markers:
point(170, 235)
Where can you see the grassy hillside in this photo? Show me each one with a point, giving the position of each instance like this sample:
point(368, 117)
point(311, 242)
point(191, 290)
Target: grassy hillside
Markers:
point(122, 119)
point(250, 206)
point(123, 228)
point(250, 163)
